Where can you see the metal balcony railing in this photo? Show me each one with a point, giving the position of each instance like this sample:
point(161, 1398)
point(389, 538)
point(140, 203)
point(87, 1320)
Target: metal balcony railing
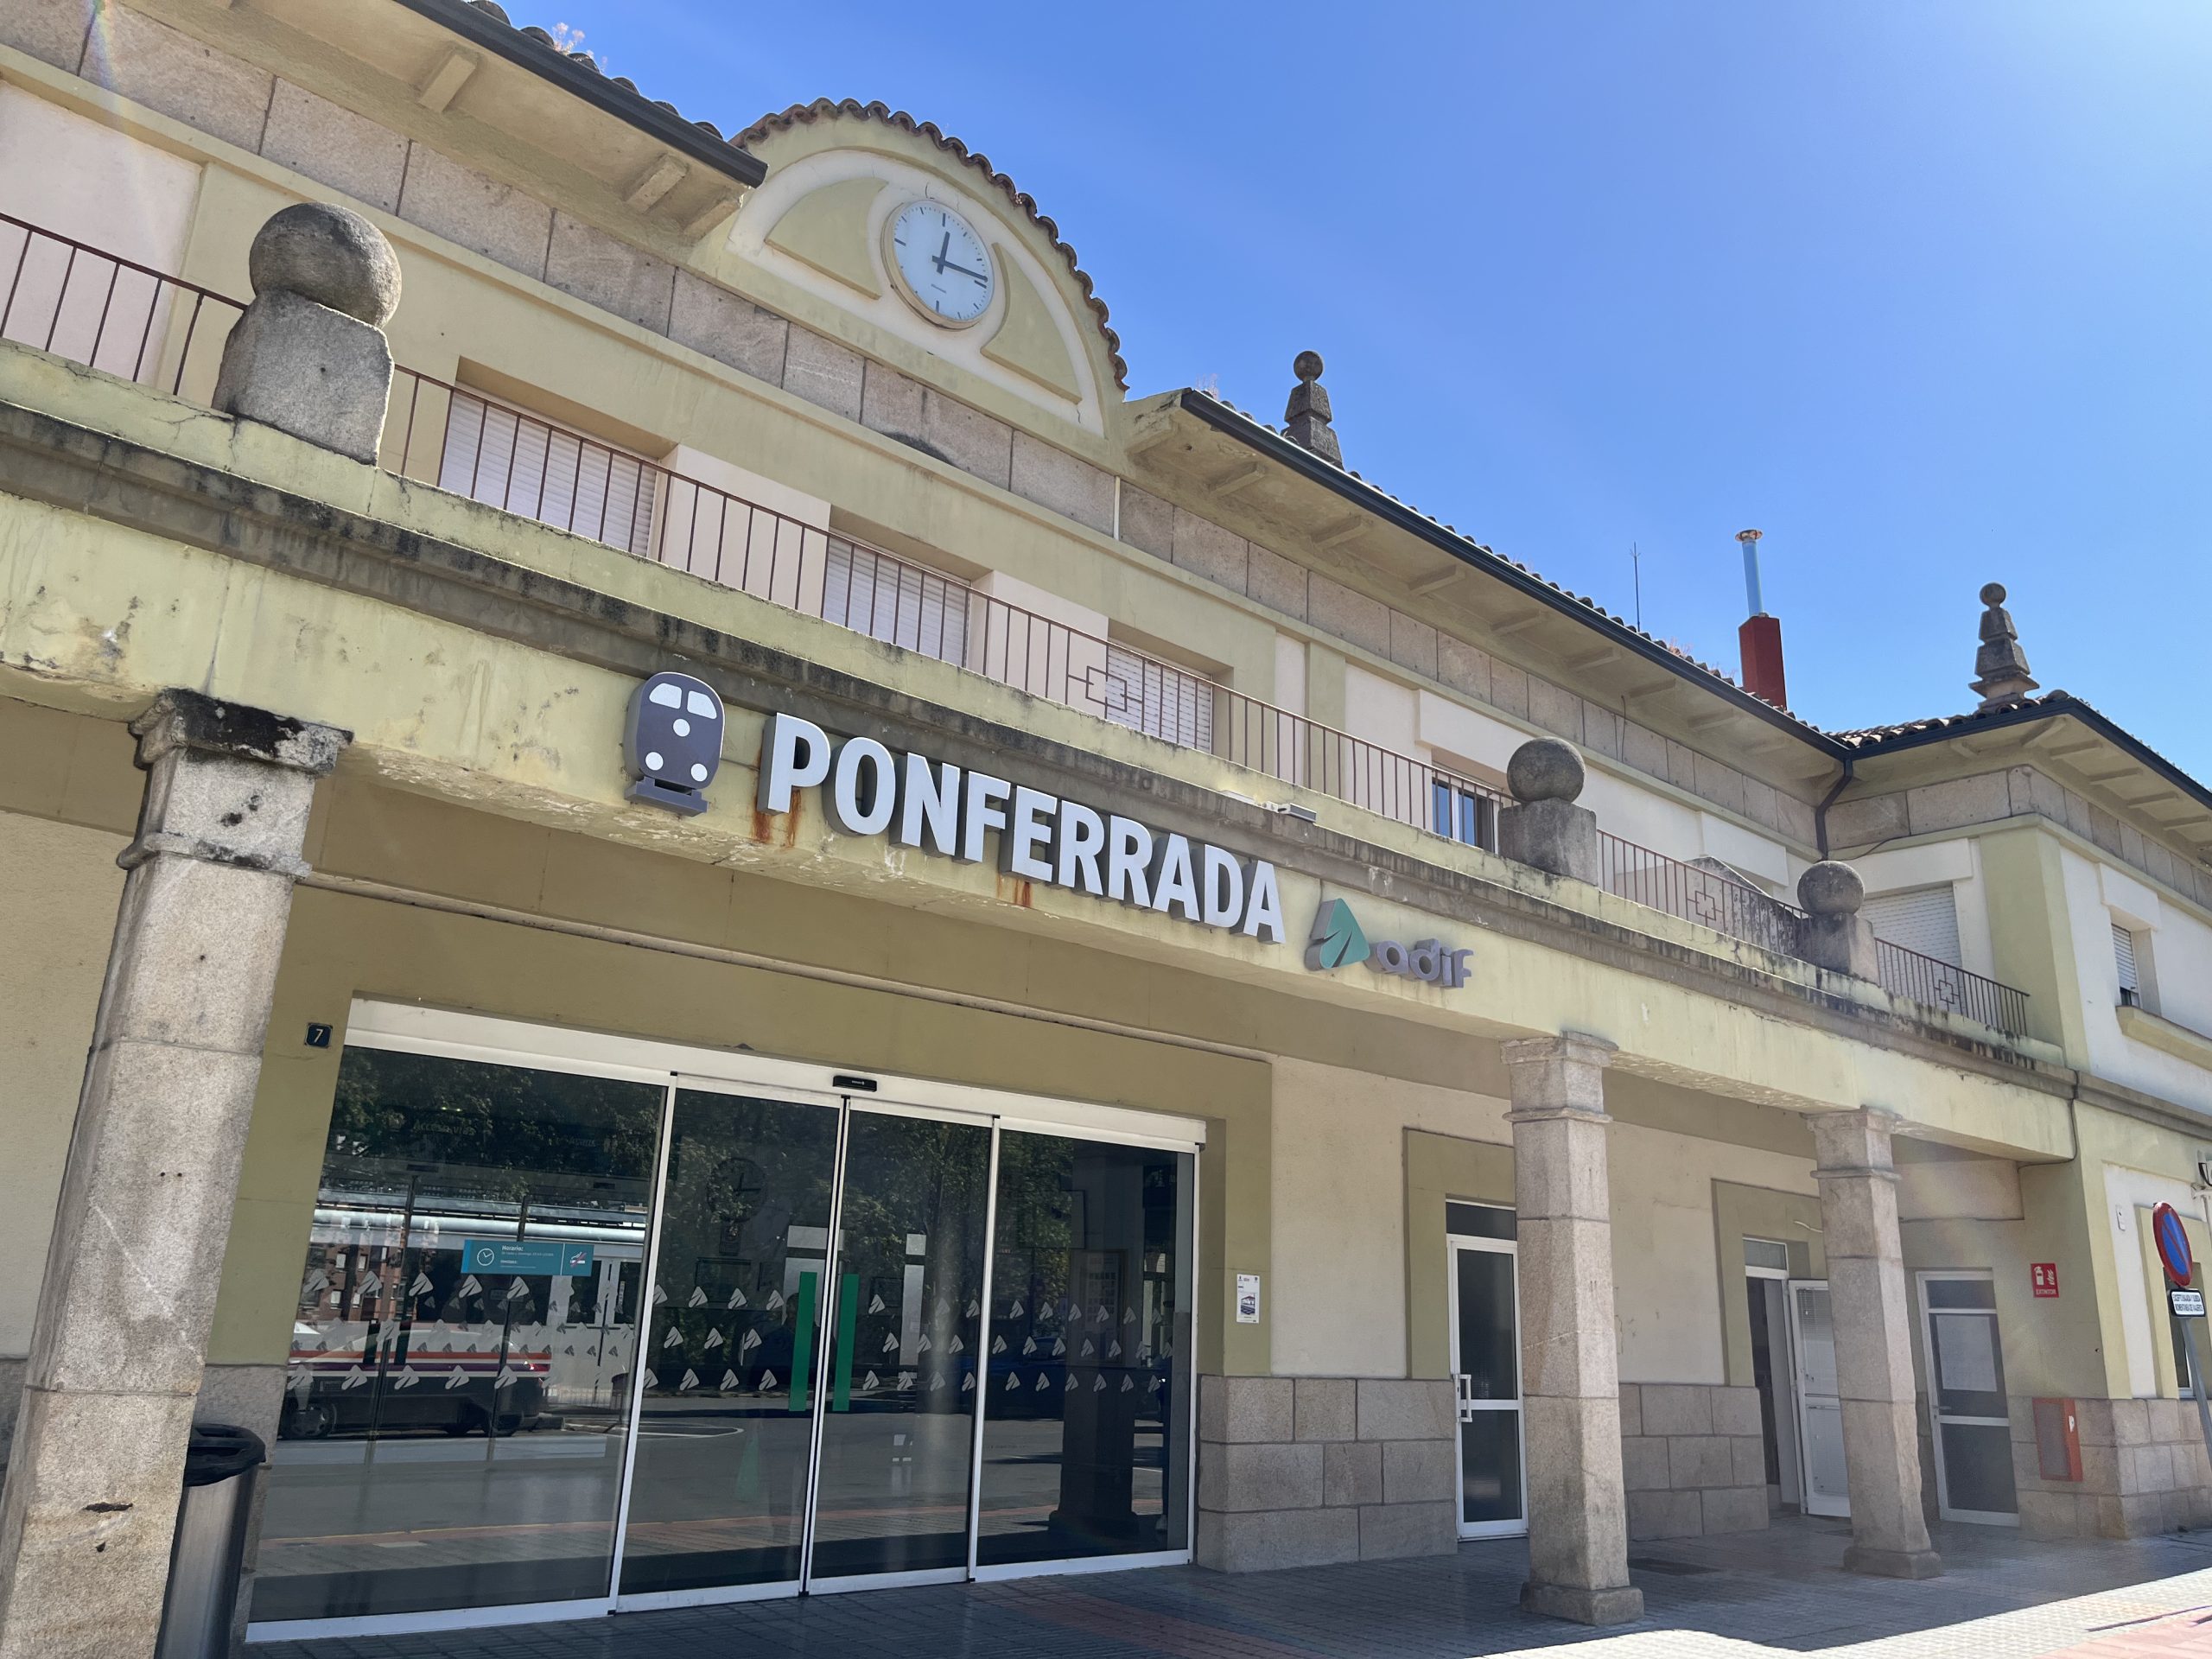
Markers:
point(1936, 982)
point(126, 318)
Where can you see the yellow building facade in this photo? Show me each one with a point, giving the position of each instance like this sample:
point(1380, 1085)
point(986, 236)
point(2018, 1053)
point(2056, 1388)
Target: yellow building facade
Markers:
point(1160, 1005)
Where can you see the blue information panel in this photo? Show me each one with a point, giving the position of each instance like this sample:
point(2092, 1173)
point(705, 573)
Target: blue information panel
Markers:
point(529, 1255)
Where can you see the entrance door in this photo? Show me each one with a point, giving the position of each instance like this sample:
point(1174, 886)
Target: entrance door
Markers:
point(1820, 1412)
point(896, 1432)
point(1766, 1276)
point(1486, 1369)
point(729, 1380)
point(1966, 1399)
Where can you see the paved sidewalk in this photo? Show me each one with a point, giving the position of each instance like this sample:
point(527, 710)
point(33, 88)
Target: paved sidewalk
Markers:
point(1750, 1594)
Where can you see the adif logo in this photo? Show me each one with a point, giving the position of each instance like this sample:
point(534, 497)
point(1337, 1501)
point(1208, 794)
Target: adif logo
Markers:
point(1338, 940)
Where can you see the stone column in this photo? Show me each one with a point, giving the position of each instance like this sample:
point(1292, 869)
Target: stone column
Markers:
point(1570, 1366)
point(1873, 1345)
point(145, 1210)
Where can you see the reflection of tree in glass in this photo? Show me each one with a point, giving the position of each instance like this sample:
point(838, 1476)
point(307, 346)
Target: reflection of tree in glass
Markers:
point(510, 1126)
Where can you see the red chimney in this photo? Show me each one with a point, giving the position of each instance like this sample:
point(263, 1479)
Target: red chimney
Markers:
point(1760, 638)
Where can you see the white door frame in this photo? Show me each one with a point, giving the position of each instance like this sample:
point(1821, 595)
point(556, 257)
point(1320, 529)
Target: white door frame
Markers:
point(1789, 1429)
point(1811, 1501)
point(1937, 1416)
point(1511, 1248)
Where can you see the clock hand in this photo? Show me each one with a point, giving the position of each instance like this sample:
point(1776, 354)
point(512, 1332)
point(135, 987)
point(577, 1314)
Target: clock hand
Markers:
point(942, 249)
point(946, 264)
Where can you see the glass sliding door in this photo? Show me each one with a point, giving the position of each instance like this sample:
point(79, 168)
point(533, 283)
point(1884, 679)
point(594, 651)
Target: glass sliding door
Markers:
point(727, 1393)
point(456, 1408)
point(1087, 1398)
point(578, 1333)
point(897, 1415)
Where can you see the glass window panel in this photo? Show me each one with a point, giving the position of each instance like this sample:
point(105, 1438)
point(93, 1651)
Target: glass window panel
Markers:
point(1088, 1378)
point(1478, 1221)
point(1490, 1347)
point(726, 1425)
point(1490, 1466)
point(1978, 1468)
point(898, 1436)
point(1961, 1293)
point(1766, 1253)
point(456, 1410)
point(1816, 1339)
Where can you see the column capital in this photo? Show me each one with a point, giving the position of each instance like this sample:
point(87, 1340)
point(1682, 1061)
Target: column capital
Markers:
point(183, 720)
point(227, 784)
point(1560, 1076)
point(1854, 1142)
point(1575, 1047)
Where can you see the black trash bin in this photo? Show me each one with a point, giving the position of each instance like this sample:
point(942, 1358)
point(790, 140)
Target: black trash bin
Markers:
point(210, 1548)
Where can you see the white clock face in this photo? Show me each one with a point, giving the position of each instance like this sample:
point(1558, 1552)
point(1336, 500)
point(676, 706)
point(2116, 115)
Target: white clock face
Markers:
point(941, 263)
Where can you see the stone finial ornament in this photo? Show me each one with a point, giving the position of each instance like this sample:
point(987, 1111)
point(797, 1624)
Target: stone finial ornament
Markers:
point(1545, 769)
point(330, 255)
point(1543, 827)
point(2000, 666)
point(1305, 421)
point(1831, 888)
point(309, 357)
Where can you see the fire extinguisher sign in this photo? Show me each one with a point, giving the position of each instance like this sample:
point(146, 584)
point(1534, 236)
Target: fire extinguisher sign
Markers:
point(2043, 1276)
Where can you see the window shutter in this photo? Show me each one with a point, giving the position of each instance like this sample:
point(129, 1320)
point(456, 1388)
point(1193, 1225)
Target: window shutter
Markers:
point(896, 603)
point(1159, 701)
point(503, 457)
point(1925, 919)
point(2123, 951)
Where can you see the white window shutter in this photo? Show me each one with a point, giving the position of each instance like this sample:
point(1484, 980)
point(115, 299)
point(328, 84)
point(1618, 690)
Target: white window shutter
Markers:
point(1925, 919)
point(2123, 951)
point(1159, 701)
point(507, 459)
point(898, 603)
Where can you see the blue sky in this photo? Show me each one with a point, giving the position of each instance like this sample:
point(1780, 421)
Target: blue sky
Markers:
point(1922, 290)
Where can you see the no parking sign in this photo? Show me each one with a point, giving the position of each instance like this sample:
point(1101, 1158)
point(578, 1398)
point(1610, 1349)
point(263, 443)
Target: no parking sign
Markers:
point(2167, 1233)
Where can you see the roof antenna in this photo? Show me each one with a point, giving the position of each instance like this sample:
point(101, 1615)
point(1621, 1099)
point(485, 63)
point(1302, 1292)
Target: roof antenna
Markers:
point(1635, 560)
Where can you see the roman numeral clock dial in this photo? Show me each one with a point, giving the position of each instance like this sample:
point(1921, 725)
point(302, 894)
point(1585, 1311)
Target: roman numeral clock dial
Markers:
point(943, 267)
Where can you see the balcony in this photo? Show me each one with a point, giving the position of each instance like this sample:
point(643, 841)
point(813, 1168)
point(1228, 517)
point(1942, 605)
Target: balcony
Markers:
point(129, 320)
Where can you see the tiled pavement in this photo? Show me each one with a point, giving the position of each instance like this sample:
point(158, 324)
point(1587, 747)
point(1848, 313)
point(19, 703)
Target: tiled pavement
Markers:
point(1782, 1589)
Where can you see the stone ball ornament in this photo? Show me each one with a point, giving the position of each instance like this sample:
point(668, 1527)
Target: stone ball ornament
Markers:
point(330, 255)
point(1831, 888)
point(1545, 769)
point(672, 742)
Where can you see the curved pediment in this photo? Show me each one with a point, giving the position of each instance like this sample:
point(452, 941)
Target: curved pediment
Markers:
point(827, 222)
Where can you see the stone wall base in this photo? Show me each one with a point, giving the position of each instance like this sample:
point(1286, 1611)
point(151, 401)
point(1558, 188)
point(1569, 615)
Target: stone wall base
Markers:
point(1694, 1459)
point(1308, 1471)
point(2144, 1471)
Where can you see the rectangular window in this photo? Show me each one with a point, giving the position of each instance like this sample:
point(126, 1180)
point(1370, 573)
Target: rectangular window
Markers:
point(1463, 815)
point(1159, 701)
point(899, 603)
point(1478, 1221)
point(2131, 982)
point(1769, 1253)
point(516, 462)
point(1925, 919)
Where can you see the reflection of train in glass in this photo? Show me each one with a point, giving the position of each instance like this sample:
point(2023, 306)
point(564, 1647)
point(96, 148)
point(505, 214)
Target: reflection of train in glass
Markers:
point(396, 1336)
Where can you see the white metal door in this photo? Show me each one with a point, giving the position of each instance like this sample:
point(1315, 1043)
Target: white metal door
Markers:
point(1819, 1410)
point(1966, 1405)
point(1485, 1291)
